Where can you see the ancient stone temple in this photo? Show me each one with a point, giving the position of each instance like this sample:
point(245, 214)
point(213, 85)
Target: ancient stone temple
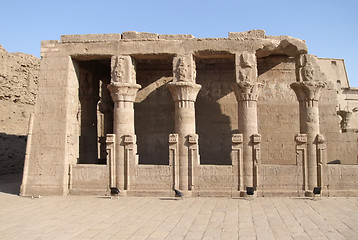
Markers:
point(148, 113)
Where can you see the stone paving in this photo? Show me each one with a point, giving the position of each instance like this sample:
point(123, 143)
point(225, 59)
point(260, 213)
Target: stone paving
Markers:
point(99, 217)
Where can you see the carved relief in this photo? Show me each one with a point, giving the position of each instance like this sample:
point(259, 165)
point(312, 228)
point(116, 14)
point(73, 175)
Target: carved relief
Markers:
point(301, 138)
point(311, 118)
point(193, 138)
point(237, 138)
point(308, 92)
point(123, 69)
point(128, 139)
point(125, 92)
point(184, 91)
point(110, 138)
point(184, 68)
point(256, 138)
point(246, 69)
point(320, 139)
point(173, 138)
point(246, 91)
point(310, 80)
point(308, 70)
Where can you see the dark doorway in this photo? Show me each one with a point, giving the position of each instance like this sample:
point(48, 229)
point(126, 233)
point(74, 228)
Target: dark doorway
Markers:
point(216, 108)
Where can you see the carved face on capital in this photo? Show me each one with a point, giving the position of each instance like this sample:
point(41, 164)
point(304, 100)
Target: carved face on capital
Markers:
point(181, 69)
point(308, 72)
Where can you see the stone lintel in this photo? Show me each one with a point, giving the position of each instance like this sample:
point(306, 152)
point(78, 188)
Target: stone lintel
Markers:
point(139, 35)
point(91, 38)
point(125, 92)
point(175, 36)
point(248, 34)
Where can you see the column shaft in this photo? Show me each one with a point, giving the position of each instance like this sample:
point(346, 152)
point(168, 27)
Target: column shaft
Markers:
point(123, 95)
point(184, 95)
point(247, 94)
point(312, 130)
point(184, 125)
point(123, 124)
point(310, 81)
point(248, 127)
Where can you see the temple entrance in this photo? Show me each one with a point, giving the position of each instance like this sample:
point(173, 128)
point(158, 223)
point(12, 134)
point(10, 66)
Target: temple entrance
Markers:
point(95, 110)
point(154, 108)
point(216, 107)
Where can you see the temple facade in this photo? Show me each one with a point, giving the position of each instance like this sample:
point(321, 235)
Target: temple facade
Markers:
point(149, 114)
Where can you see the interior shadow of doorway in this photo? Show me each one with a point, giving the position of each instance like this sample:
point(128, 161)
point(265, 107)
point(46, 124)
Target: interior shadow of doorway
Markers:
point(216, 109)
point(10, 183)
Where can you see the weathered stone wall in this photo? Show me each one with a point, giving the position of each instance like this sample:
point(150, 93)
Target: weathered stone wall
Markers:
point(18, 88)
point(278, 110)
point(342, 146)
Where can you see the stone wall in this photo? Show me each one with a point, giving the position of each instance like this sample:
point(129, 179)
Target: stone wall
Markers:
point(278, 108)
point(19, 78)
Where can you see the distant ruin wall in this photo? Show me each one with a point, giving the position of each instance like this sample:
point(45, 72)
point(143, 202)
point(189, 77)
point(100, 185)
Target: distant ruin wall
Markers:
point(18, 77)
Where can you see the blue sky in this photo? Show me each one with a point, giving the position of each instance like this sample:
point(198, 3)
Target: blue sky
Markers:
point(330, 27)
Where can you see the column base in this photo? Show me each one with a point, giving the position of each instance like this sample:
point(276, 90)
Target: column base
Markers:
point(186, 193)
point(309, 193)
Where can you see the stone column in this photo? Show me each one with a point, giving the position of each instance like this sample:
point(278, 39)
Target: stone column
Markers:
point(246, 94)
point(184, 91)
point(345, 123)
point(123, 92)
point(308, 88)
point(247, 91)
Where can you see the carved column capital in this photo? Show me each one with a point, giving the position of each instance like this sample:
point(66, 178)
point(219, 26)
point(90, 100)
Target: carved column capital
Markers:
point(123, 92)
point(247, 91)
point(123, 69)
point(307, 69)
point(184, 68)
point(184, 92)
point(308, 92)
point(246, 66)
point(345, 122)
point(310, 80)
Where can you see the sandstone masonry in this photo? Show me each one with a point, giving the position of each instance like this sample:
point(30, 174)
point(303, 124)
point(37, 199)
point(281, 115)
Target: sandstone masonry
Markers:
point(149, 114)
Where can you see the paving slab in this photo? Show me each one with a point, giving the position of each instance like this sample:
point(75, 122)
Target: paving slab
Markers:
point(100, 217)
